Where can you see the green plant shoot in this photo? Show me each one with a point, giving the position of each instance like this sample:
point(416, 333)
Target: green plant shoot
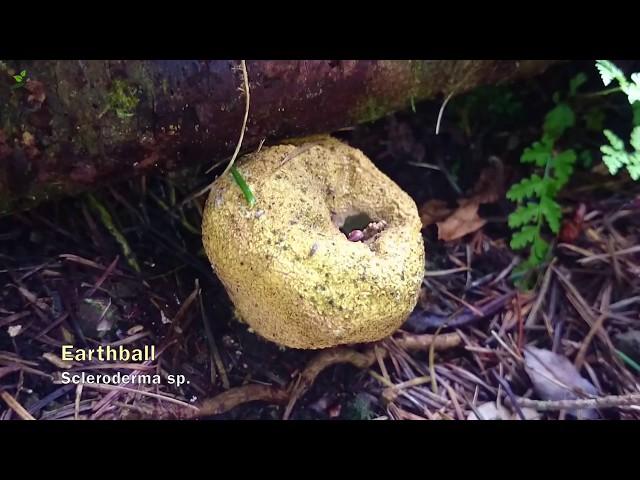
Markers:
point(248, 194)
point(20, 79)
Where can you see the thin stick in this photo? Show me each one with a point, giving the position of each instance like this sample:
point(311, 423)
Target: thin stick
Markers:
point(76, 415)
point(238, 396)
point(507, 388)
point(15, 406)
point(597, 326)
point(631, 399)
point(103, 277)
point(474, 309)
point(444, 104)
point(432, 363)
point(118, 388)
point(606, 256)
point(245, 76)
point(440, 273)
point(495, 335)
point(541, 294)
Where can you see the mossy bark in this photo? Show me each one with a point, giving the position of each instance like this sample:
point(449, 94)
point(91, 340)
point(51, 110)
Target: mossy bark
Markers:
point(73, 125)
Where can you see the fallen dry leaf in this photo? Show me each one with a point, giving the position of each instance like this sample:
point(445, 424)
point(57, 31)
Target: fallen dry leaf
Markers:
point(491, 411)
point(433, 211)
point(464, 220)
point(554, 377)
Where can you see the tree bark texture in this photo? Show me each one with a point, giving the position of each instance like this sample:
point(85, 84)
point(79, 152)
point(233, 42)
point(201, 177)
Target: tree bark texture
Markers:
point(71, 125)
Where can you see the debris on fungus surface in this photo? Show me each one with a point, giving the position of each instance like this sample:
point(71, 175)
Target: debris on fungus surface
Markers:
point(330, 253)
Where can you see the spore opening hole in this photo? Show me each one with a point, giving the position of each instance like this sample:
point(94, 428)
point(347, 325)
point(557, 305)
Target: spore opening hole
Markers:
point(355, 222)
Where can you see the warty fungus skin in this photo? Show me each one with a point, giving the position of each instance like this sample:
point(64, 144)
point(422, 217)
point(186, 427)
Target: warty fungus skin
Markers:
point(290, 271)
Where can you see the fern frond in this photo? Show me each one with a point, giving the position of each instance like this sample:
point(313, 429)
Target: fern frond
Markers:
point(613, 159)
point(563, 167)
point(609, 72)
point(635, 138)
point(524, 237)
point(551, 212)
point(538, 153)
point(616, 142)
point(540, 249)
point(634, 165)
point(632, 89)
point(558, 120)
point(525, 188)
point(524, 214)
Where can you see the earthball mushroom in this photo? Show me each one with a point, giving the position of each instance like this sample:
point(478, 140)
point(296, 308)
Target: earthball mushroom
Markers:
point(330, 253)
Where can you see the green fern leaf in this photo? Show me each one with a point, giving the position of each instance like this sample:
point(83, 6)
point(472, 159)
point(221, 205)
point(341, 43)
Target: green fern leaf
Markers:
point(558, 120)
point(634, 171)
point(552, 213)
point(524, 237)
point(524, 214)
point(615, 141)
point(615, 155)
point(563, 167)
point(540, 249)
point(538, 153)
point(633, 92)
point(613, 159)
point(632, 89)
point(527, 187)
point(609, 72)
point(634, 165)
point(635, 138)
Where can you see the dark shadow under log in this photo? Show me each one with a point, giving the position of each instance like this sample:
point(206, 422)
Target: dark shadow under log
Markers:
point(74, 125)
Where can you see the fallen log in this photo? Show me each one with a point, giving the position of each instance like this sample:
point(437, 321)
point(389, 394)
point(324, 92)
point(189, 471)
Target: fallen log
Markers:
point(67, 126)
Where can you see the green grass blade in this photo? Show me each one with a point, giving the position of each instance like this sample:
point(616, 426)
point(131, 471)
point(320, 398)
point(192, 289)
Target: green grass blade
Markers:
point(248, 194)
point(629, 361)
point(107, 221)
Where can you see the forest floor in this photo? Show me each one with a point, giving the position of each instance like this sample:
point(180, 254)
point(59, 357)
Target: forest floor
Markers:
point(125, 266)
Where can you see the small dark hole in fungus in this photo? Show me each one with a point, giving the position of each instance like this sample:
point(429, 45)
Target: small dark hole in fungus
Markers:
point(355, 222)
